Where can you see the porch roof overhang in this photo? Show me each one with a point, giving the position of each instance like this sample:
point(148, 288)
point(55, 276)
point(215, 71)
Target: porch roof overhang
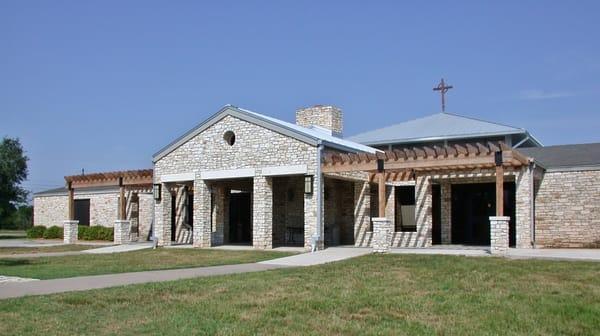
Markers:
point(436, 158)
point(136, 179)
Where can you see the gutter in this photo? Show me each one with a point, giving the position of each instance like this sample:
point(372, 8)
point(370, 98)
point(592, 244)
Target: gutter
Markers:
point(532, 167)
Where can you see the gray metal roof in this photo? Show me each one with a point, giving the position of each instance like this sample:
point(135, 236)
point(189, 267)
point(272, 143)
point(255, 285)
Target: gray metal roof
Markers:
point(308, 135)
point(52, 192)
point(440, 126)
point(62, 191)
point(565, 156)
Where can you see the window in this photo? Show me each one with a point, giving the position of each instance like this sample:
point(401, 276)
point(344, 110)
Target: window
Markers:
point(229, 138)
point(405, 209)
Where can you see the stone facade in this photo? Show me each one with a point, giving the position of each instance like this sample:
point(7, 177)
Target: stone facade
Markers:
point(362, 214)
point(70, 231)
point(566, 209)
point(53, 209)
point(382, 234)
point(446, 212)
point(326, 116)
point(122, 232)
point(262, 210)
point(523, 203)
point(423, 217)
point(255, 147)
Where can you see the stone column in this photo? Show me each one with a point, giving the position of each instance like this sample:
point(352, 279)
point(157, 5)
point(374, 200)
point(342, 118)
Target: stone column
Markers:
point(122, 232)
point(446, 212)
point(382, 234)
point(218, 234)
point(162, 227)
point(362, 214)
point(499, 234)
point(70, 231)
point(202, 218)
point(524, 193)
point(262, 210)
point(423, 211)
point(310, 217)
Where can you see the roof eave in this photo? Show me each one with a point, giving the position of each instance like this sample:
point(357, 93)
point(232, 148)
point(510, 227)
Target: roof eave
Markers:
point(438, 138)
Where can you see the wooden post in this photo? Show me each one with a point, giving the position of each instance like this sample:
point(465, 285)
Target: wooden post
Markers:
point(381, 194)
point(499, 190)
point(71, 201)
point(122, 203)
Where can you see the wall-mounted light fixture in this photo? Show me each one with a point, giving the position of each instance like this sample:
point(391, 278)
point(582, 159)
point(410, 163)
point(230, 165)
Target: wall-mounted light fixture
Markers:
point(156, 191)
point(308, 184)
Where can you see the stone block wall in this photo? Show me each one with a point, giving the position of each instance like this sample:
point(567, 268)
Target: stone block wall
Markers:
point(326, 116)
point(523, 199)
point(262, 210)
point(424, 217)
point(255, 147)
point(50, 210)
point(362, 214)
point(567, 209)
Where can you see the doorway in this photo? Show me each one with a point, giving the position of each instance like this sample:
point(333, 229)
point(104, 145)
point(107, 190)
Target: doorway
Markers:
point(240, 218)
point(472, 205)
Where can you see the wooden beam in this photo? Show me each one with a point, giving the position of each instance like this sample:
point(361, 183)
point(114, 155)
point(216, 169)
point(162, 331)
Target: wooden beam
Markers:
point(122, 203)
point(71, 201)
point(381, 191)
point(499, 190)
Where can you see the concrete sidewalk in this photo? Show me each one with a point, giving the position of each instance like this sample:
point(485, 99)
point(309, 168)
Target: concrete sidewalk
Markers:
point(42, 287)
point(327, 255)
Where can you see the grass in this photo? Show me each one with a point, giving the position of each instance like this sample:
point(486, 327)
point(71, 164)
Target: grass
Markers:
point(370, 295)
point(144, 260)
point(12, 234)
point(44, 249)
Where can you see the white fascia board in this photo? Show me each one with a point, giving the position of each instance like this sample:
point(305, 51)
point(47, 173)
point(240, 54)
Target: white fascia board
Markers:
point(177, 177)
point(285, 170)
point(227, 174)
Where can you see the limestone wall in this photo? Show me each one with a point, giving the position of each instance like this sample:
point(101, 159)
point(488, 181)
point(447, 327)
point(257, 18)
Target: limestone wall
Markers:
point(567, 209)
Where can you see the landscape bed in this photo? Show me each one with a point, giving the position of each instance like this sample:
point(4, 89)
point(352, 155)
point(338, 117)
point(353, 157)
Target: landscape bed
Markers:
point(374, 294)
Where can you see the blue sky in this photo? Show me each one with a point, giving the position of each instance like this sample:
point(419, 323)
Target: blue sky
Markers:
point(103, 85)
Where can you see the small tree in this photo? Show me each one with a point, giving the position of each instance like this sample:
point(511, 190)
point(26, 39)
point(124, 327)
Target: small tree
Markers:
point(13, 171)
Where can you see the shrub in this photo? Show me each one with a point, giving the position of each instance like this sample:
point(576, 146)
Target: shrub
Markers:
point(36, 231)
point(53, 232)
point(95, 233)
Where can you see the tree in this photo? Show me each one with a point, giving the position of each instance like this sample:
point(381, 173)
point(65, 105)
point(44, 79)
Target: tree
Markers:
point(13, 171)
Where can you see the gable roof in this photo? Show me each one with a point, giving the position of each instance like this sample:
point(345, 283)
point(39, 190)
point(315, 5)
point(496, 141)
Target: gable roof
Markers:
point(565, 156)
point(312, 136)
point(440, 126)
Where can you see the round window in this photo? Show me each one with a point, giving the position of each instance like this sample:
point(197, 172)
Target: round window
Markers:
point(229, 138)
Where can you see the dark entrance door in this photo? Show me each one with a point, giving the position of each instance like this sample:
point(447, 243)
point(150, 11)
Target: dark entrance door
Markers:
point(436, 207)
point(472, 205)
point(173, 217)
point(82, 211)
point(240, 219)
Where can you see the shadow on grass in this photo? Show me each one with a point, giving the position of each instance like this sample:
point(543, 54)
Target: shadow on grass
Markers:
point(14, 262)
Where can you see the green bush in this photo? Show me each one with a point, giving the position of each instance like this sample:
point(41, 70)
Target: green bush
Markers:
point(53, 232)
point(95, 233)
point(36, 231)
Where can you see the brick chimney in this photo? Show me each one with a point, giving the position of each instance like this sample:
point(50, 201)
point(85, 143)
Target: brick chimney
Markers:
point(325, 117)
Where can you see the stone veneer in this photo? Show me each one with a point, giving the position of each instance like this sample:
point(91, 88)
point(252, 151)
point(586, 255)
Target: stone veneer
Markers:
point(255, 147)
point(567, 211)
point(326, 116)
point(52, 210)
point(499, 234)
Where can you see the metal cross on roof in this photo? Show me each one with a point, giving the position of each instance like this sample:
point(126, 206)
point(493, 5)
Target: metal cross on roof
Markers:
point(443, 88)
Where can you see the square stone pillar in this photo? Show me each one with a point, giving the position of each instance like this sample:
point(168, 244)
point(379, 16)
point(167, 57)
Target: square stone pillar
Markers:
point(162, 227)
point(310, 216)
point(523, 200)
point(122, 232)
point(262, 210)
point(70, 231)
point(446, 212)
point(423, 211)
point(382, 234)
point(499, 234)
point(202, 214)
point(362, 214)
point(218, 216)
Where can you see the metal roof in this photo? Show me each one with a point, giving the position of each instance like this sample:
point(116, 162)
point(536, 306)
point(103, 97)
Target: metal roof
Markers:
point(440, 126)
point(62, 191)
point(307, 135)
point(565, 156)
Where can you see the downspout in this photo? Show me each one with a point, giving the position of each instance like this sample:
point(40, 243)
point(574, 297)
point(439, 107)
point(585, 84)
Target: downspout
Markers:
point(317, 237)
point(532, 202)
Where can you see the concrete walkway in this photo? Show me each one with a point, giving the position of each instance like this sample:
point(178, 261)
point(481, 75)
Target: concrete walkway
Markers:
point(119, 248)
point(18, 289)
point(328, 255)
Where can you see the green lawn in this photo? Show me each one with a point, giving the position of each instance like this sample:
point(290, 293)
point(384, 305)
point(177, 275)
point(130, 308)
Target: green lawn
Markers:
point(375, 294)
point(144, 260)
point(44, 249)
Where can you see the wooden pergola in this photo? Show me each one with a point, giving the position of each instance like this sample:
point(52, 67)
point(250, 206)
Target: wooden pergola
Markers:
point(129, 179)
point(403, 164)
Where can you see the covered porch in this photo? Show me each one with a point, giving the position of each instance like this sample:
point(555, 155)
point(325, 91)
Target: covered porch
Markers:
point(418, 197)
